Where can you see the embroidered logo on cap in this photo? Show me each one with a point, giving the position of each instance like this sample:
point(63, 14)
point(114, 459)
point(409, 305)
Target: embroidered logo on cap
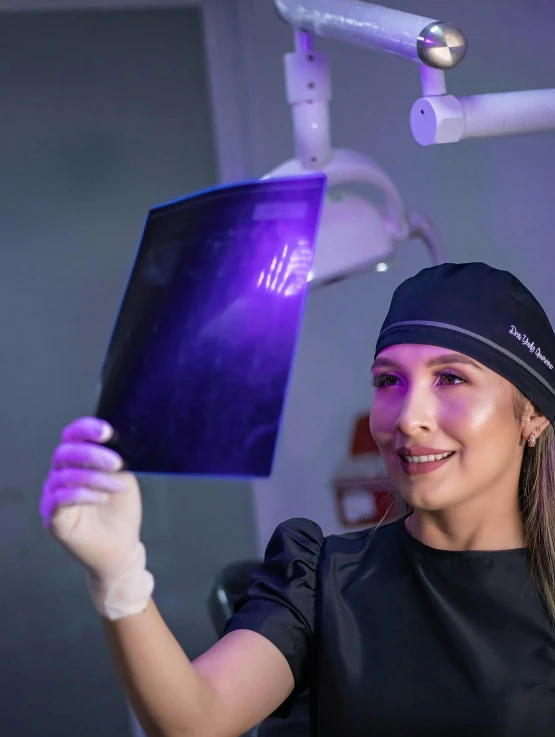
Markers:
point(525, 340)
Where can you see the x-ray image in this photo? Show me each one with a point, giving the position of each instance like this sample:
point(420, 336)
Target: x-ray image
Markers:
point(197, 368)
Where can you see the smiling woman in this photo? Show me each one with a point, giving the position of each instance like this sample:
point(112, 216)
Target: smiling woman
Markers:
point(441, 623)
point(453, 605)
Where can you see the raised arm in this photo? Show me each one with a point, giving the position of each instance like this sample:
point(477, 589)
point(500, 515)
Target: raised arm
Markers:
point(94, 509)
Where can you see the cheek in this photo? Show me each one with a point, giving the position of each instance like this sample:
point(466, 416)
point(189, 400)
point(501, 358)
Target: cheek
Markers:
point(482, 414)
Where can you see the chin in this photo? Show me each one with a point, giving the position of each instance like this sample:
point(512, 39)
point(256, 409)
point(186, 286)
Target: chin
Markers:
point(429, 500)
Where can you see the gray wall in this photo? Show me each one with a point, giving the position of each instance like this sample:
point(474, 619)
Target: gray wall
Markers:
point(103, 115)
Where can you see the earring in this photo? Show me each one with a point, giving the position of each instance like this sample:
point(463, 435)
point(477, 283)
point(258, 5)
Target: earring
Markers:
point(531, 440)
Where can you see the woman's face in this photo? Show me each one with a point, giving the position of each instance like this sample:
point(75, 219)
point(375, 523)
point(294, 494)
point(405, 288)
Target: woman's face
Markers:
point(445, 425)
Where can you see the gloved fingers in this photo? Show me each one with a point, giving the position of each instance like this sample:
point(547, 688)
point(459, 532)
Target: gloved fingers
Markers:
point(87, 429)
point(86, 455)
point(85, 478)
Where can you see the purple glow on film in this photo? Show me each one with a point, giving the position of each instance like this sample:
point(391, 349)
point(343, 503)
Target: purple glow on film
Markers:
point(197, 369)
point(288, 272)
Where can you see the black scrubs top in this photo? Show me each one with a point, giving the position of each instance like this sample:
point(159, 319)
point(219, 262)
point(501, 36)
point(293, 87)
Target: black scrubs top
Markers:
point(397, 639)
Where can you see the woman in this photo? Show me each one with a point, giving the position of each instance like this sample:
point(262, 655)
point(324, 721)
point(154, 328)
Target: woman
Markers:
point(438, 624)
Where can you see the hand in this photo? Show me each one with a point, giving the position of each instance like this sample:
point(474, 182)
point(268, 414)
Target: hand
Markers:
point(88, 503)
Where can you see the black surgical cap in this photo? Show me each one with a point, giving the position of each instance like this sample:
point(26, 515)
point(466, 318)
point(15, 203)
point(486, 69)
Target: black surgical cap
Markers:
point(486, 314)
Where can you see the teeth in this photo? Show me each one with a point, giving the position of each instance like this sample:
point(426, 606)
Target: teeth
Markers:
point(426, 459)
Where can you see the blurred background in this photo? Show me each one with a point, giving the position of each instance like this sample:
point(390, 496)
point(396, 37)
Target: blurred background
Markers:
point(111, 107)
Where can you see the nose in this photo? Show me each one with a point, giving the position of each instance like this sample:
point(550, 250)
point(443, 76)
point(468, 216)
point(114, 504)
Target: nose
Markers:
point(417, 412)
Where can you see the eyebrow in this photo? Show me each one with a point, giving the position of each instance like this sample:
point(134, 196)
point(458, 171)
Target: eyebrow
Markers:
point(447, 359)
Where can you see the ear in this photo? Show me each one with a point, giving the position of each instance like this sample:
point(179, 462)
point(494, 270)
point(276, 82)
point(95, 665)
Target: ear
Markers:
point(533, 422)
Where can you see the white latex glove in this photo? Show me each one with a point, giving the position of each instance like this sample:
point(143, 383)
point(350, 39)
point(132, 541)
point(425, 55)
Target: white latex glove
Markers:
point(94, 509)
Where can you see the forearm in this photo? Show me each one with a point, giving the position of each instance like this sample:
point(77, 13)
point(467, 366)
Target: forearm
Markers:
point(168, 696)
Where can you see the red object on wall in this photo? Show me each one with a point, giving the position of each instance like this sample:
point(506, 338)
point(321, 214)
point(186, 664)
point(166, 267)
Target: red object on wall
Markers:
point(363, 441)
point(364, 494)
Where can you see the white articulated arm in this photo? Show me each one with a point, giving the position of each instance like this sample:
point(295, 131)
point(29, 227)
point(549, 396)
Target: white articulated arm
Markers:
point(308, 84)
point(436, 117)
point(424, 40)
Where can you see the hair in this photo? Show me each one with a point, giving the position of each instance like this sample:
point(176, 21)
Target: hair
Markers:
point(536, 497)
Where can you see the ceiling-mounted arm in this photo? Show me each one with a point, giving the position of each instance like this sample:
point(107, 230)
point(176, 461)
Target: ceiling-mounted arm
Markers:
point(423, 40)
point(436, 117)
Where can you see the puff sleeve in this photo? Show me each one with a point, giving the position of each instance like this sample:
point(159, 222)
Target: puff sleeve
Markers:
point(280, 601)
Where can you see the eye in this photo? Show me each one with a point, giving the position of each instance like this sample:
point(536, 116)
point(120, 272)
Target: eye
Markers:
point(450, 379)
point(385, 380)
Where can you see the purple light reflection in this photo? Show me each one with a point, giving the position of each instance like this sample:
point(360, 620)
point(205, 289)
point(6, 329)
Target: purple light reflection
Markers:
point(288, 272)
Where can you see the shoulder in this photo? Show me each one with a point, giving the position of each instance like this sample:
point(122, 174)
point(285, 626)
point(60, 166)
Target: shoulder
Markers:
point(299, 559)
point(296, 538)
point(300, 528)
point(349, 556)
point(300, 534)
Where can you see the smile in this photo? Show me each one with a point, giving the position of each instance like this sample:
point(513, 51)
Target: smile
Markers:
point(426, 459)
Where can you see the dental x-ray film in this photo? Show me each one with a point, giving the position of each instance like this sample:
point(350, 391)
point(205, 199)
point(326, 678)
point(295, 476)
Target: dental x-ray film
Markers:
point(197, 368)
